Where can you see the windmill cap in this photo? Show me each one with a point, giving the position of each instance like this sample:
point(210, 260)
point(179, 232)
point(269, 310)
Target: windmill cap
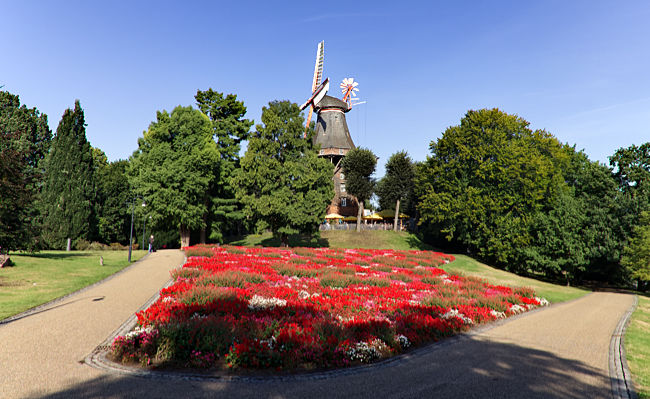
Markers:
point(332, 102)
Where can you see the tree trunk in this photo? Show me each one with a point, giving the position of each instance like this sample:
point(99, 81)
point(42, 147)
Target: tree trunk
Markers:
point(359, 214)
point(284, 240)
point(67, 248)
point(205, 226)
point(185, 236)
point(396, 215)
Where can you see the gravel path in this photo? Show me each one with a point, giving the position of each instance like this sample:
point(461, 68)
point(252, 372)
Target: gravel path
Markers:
point(559, 352)
point(40, 353)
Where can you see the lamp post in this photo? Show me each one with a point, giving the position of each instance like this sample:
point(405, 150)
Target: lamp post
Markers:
point(132, 203)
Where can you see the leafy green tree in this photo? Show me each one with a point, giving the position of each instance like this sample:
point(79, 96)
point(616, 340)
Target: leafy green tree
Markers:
point(484, 181)
point(230, 128)
point(397, 185)
point(14, 193)
point(282, 183)
point(174, 168)
point(632, 169)
point(113, 193)
point(558, 248)
point(359, 165)
point(69, 190)
point(25, 143)
point(636, 255)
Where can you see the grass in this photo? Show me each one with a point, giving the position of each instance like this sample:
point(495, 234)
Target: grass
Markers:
point(41, 277)
point(637, 347)
point(552, 292)
point(340, 239)
point(405, 241)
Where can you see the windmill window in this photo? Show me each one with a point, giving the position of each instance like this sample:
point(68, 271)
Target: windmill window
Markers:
point(322, 152)
point(342, 187)
point(344, 202)
point(342, 176)
point(340, 151)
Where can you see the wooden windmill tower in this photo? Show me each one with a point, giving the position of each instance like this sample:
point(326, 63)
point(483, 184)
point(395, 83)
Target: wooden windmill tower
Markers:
point(332, 133)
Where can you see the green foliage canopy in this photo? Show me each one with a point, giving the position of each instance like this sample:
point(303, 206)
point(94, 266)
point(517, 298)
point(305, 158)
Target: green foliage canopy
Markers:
point(636, 255)
point(395, 189)
point(24, 143)
point(174, 168)
point(69, 189)
point(485, 179)
point(282, 183)
point(230, 128)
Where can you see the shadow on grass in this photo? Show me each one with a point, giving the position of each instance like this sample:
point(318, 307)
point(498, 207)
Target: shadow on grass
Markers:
point(416, 243)
point(464, 368)
point(294, 241)
point(62, 255)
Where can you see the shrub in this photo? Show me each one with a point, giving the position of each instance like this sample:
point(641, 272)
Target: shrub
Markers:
point(116, 246)
point(82, 245)
point(98, 246)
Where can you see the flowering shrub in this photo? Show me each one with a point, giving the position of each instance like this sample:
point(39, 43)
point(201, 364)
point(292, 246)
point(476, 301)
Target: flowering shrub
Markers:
point(308, 308)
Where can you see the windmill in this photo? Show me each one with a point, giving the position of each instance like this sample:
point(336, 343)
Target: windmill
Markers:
point(331, 133)
point(318, 76)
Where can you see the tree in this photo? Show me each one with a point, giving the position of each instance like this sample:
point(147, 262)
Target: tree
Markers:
point(14, 193)
point(24, 144)
point(484, 181)
point(359, 165)
point(174, 168)
point(113, 192)
point(397, 184)
point(69, 190)
point(636, 255)
point(632, 169)
point(229, 128)
point(282, 183)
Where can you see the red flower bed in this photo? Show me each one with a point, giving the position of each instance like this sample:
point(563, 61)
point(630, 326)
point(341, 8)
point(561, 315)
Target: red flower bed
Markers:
point(280, 308)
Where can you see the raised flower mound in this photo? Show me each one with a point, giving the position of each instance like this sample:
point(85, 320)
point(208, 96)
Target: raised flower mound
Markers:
point(309, 308)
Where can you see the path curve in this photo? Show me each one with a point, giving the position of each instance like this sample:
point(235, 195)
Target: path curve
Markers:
point(40, 352)
point(559, 352)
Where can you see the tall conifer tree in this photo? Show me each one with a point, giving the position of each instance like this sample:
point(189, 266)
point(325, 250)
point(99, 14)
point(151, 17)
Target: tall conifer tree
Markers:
point(24, 143)
point(69, 191)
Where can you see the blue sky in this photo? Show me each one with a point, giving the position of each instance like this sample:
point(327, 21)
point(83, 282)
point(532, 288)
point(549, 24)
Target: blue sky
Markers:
point(578, 69)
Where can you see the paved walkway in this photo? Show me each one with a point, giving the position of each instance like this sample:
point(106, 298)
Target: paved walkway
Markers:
point(560, 352)
point(40, 353)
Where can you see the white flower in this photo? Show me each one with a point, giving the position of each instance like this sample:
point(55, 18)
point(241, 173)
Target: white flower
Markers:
point(403, 341)
point(516, 309)
point(542, 301)
point(138, 331)
point(258, 302)
point(497, 314)
point(455, 313)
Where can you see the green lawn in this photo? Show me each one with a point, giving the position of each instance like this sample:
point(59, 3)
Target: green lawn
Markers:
point(38, 278)
point(637, 347)
point(406, 241)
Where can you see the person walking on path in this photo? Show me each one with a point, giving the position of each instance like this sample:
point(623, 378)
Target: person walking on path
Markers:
point(151, 243)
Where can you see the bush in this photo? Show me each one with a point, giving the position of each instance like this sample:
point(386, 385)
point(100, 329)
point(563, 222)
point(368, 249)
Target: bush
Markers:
point(82, 245)
point(98, 246)
point(116, 246)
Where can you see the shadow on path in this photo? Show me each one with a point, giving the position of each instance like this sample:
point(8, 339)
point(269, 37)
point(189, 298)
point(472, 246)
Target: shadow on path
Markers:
point(466, 368)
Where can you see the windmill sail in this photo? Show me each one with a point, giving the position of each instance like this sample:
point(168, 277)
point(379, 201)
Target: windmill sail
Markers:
point(318, 76)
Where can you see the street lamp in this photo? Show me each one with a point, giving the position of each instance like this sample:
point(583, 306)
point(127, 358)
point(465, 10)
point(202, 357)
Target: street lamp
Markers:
point(132, 203)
